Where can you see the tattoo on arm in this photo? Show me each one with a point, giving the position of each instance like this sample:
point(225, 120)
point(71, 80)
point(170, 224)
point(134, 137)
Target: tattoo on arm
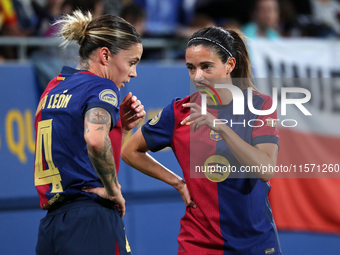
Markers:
point(104, 164)
point(98, 119)
point(98, 116)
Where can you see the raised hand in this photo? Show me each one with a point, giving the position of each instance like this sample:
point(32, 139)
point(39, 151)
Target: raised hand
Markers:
point(197, 119)
point(131, 112)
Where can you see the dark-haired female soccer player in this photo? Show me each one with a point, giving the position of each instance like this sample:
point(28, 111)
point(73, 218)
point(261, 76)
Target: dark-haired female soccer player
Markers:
point(224, 215)
point(80, 124)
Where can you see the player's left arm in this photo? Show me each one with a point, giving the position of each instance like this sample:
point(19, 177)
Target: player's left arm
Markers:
point(131, 113)
point(263, 154)
point(97, 125)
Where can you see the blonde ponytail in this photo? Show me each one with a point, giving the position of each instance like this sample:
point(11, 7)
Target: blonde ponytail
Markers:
point(74, 27)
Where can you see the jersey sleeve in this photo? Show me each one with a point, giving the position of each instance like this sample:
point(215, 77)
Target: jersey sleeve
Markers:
point(158, 131)
point(104, 94)
point(266, 126)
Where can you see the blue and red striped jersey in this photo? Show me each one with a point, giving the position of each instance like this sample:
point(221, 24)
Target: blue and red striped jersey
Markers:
point(233, 215)
point(62, 165)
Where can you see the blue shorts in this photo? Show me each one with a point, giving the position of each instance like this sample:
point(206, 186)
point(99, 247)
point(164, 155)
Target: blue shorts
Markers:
point(82, 226)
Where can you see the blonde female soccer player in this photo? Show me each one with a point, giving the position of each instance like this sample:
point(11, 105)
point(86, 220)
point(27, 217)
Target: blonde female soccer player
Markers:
point(80, 124)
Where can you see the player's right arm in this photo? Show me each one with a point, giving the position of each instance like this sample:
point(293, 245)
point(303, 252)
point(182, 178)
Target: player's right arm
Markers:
point(96, 133)
point(134, 153)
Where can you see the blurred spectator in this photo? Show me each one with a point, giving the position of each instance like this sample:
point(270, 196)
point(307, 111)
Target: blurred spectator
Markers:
point(288, 16)
point(25, 14)
point(96, 7)
point(46, 15)
point(265, 20)
point(9, 26)
point(188, 11)
point(231, 24)
point(303, 23)
point(199, 21)
point(222, 10)
point(115, 7)
point(327, 12)
point(302, 7)
point(309, 26)
point(135, 15)
point(8, 18)
point(53, 9)
point(163, 18)
point(49, 60)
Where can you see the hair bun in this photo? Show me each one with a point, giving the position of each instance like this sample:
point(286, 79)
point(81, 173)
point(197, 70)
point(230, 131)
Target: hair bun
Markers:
point(74, 26)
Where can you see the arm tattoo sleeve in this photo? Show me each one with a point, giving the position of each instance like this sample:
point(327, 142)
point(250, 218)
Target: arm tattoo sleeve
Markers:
point(98, 116)
point(102, 159)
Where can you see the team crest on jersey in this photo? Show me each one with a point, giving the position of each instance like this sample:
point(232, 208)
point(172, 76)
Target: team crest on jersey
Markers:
point(156, 118)
point(215, 136)
point(109, 96)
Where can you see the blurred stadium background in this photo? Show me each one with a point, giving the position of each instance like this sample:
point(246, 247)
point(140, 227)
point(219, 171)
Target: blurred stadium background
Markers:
point(306, 207)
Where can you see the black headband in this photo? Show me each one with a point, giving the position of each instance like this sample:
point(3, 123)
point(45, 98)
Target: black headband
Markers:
point(212, 41)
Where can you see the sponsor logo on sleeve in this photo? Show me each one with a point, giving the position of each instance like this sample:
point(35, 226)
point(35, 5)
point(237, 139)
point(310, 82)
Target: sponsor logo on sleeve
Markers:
point(155, 119)
point(109, 96)
point(269, 251)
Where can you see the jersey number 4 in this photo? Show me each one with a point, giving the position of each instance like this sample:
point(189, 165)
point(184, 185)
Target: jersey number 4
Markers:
point(50, 175)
